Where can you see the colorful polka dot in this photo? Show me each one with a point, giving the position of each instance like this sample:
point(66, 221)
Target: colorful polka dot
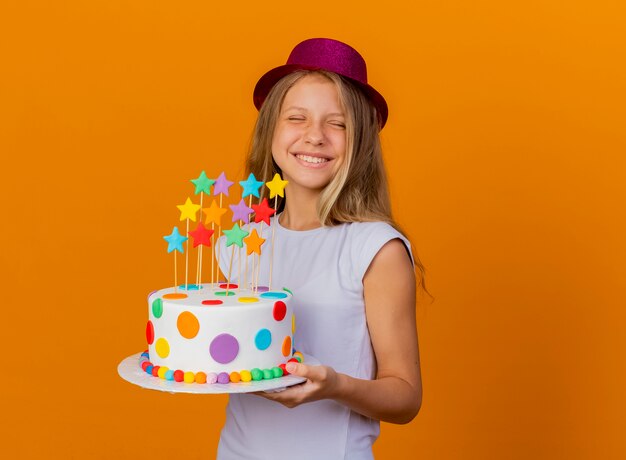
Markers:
point(224, 293)
point(200, 377)
point(157, 308)
point(248, 299)
point(162, 348)
point(274, 295)
point(286, 349)
point(188, 325)
point(299, 356)
point(267, 374)
point(190, 287)
point(263, 339)
point(175, 296)
point(246, 376)
point(179, 375)
point(150, 333)
point(262, 289)
point(228, 286)
point(211, 378)
point(212, 302)
point(280, 310)
point(293, 324)
point(235, 377)
point(224, 348)
point(287, 290)
point(223, 378)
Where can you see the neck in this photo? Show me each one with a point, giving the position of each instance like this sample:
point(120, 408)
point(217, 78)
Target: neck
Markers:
point(300, 210)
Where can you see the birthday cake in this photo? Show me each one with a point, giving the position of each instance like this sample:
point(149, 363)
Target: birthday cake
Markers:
point(218, 334)
point(221, 332)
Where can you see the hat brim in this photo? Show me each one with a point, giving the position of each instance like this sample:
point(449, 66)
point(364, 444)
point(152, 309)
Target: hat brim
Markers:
point(270, 78)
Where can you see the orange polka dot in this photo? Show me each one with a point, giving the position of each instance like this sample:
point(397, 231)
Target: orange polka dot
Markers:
point(175, 295)
point(188, 325)
point(286, 346)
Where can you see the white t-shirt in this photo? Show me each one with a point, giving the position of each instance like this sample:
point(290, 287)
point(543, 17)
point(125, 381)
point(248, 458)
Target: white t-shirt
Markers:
point(324, 269)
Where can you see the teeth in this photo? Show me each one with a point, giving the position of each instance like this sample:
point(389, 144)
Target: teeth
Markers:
point(309, 159)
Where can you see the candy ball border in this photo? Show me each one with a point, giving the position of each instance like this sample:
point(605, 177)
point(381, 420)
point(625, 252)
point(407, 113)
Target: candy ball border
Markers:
point(245, 375)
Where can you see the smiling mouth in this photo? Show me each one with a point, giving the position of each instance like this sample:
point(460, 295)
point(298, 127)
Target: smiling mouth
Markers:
point(310, 159)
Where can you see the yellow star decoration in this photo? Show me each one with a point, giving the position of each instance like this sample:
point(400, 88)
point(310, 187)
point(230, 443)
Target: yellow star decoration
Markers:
point(277, 186)
point(253, 243)
point(214, 214)
point(188, 210)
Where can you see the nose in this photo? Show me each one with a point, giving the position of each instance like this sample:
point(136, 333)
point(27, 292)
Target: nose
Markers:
point(314, 134)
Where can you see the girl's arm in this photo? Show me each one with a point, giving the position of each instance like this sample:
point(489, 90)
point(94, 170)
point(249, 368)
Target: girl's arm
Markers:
point(396, 393)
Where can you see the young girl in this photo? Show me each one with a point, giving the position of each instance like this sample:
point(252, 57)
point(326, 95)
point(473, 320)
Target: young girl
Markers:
point(335, 247)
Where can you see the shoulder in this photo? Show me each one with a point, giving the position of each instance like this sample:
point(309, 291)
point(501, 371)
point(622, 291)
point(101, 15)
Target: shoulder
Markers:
point(367, 239)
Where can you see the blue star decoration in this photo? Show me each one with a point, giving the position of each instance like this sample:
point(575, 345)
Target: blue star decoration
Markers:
point(175, 241)
point(235, 236)
point(250, 186)
point(203, 183)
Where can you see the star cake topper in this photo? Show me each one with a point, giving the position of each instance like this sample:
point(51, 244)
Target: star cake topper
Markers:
point(222, 185)
point(241, 212)
point(175, 241)
point(214, 214)
point(263, 212)
point(235, 236)
point(250, 186)
point(201, 235)
point(277, 186)
point(253, 242)
point(203, 184)
point(188, 210)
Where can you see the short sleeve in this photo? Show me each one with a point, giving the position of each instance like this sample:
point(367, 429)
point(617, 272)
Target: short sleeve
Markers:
point(367, 239)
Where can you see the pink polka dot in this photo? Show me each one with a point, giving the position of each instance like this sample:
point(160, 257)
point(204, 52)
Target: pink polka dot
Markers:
point(280, 310)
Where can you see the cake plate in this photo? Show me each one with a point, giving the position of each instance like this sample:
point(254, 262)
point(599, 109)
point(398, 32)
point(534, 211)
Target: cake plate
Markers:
point(130, 371)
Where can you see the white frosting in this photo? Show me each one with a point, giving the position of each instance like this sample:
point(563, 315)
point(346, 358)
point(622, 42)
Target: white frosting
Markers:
point(241, 320)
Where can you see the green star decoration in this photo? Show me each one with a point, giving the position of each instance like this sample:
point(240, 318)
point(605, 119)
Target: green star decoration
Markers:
point(203, 183)
point(235, 236)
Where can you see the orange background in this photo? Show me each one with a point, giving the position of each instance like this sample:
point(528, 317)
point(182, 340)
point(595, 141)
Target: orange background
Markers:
point(505, 147)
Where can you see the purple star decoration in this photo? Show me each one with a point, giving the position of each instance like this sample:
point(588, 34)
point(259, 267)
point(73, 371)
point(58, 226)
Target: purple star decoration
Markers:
point(241, 212)
point(221, 185)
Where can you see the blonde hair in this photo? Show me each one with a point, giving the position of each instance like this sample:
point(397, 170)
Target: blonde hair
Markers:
point(358, 192)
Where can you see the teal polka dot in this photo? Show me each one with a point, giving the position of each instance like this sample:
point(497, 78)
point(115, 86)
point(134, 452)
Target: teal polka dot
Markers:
point(157, 308)
point(273, 295)
point(263, 339)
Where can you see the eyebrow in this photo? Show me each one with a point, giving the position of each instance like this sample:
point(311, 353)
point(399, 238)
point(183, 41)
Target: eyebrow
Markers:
point(294, 107)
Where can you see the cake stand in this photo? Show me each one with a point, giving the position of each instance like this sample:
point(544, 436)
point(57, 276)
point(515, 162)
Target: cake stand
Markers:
point(130, 371)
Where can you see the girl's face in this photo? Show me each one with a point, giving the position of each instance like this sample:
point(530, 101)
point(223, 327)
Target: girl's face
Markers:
point(309, 143)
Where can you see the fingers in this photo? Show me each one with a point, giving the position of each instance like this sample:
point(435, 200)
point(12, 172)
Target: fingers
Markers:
point(301, 370)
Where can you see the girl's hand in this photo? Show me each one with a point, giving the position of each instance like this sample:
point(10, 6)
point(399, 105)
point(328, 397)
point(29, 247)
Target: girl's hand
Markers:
point(322, 382)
